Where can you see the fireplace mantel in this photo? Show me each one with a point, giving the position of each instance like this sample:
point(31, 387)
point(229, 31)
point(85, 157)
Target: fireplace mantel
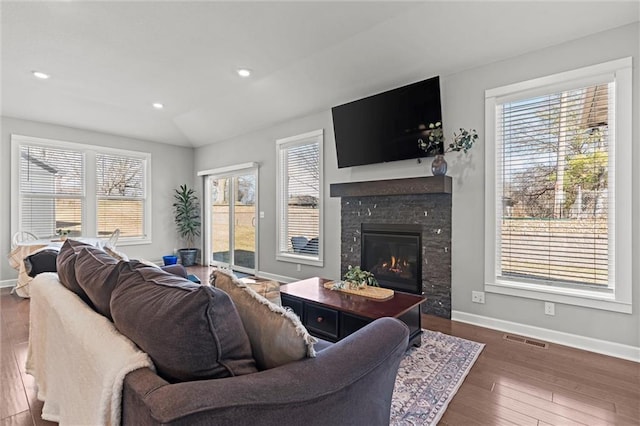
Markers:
point(407, 186)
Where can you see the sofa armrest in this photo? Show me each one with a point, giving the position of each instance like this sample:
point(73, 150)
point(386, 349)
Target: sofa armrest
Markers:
point(350, 382)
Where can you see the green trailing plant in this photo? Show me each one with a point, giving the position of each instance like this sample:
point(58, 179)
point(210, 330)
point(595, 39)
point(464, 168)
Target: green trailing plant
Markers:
point(187, 214)
point(462, 141)
point(357, 278)
point(62, 233)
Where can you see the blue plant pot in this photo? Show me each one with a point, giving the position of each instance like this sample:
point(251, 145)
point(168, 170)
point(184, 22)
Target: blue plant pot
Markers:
point(170, 260)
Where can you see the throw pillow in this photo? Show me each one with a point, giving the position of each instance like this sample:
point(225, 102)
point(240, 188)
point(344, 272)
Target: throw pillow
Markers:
point(277, 335)
point(66, 266)
point(270, 290)
point(97, 275)
point(191, 332)
point(43, 260)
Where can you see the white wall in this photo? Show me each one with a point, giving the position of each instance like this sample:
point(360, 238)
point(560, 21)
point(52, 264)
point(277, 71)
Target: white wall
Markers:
point(170, 167)
point(463, 106)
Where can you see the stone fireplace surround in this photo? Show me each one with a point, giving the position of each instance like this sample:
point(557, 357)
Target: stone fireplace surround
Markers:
point(425, 201)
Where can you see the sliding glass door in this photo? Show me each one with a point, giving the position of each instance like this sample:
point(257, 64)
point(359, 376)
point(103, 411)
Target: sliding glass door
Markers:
point(231, 219)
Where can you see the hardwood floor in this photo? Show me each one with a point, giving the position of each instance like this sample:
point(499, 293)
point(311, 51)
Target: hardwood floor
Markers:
point(511, 383)
point(516, 383)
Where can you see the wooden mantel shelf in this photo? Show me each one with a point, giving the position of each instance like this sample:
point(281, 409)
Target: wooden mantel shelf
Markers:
point(408, 186)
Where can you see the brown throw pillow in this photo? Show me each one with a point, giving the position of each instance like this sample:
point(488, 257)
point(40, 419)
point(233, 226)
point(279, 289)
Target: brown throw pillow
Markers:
point(277, 335)
point(66, 266)
point(97, 275)
point(191, 332)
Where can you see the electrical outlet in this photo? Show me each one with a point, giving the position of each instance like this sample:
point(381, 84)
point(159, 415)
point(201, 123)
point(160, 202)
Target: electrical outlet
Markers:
point(298, 267)
point(477, 296)
point(261, 215)
point(549, 308)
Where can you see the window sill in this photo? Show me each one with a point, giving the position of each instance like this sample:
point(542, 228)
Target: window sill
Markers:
point(304, 260)
point(133, 242)
point(584, 298)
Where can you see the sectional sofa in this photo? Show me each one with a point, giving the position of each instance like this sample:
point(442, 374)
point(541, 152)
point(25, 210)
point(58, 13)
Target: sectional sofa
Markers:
point(116, 341)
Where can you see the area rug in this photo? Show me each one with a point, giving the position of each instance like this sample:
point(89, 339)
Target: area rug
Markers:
point(429, 377)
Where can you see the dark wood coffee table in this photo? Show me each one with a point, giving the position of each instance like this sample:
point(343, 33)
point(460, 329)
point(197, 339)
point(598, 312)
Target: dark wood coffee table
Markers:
point(332, 315)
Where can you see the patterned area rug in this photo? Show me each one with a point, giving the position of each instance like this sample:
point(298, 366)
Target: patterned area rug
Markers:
point(429, 377)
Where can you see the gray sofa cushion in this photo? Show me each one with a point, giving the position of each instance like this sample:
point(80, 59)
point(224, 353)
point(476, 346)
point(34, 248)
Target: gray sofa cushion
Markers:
point(97, 275)
point(66, 266)
point(191, 332)
point(176, 269)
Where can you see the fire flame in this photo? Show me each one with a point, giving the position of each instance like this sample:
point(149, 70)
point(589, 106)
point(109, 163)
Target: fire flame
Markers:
point(395, 265)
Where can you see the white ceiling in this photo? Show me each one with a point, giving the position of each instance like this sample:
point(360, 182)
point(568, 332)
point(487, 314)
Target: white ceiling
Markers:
point(109, 61)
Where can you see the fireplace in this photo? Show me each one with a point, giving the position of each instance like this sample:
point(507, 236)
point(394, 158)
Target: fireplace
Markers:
point(392, 252)
point(424, 202)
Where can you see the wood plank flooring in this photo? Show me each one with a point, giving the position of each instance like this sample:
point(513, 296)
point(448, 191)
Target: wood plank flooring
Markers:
point(510, 384)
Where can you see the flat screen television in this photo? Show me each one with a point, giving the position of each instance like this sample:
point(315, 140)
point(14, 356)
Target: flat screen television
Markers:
point(386, 127)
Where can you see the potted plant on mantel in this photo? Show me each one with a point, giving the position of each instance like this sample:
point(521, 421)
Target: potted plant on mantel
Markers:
point(435, 140)
point(187, 218)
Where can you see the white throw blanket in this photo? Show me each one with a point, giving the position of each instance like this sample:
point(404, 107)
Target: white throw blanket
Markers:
point(77, 357)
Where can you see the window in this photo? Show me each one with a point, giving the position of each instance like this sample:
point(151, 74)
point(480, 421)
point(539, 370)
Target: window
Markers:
point(299, 195)
point(120, 189)
point(84, 189)
point(51, 190)
point(558, 227)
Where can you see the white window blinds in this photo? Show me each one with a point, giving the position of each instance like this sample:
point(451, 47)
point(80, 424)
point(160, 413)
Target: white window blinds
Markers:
point(300, 196)
point(83, 189)
point(51, 188)
point(120, 189)
point(555, 186)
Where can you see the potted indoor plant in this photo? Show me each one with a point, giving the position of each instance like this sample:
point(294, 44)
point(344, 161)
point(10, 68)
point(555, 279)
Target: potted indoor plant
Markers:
point(356, 278)
point(187, 218)
point(462, 141)
point(62, 233)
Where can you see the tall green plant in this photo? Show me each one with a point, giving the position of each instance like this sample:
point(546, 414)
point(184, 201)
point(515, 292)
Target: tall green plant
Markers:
point(187, 213)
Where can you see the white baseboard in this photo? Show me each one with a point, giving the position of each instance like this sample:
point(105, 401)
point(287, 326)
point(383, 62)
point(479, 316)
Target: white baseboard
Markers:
point(8, 283)
point(279, 278)
point(604, 347)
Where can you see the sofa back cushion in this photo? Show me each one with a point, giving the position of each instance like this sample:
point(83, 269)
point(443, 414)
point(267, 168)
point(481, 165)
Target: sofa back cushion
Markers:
point(97, 275)
point(191, 332)
point(276, 334)
point(176, 269)
point(66, 267)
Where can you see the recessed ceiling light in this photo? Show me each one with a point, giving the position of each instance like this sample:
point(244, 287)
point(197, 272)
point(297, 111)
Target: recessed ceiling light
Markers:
point(40, 75)
point(244, 72)
point(158, 105)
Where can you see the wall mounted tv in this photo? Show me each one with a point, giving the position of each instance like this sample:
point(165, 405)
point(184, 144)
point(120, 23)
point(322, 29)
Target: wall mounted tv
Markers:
point(386, 127)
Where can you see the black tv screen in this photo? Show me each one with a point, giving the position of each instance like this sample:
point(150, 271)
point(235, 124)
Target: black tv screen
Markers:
point(386, 127)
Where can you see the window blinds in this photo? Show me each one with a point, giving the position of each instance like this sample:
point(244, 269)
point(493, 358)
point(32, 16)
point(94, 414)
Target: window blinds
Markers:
point(120, 189)
point(555, 189)
point(51, 190)
point(300, 191)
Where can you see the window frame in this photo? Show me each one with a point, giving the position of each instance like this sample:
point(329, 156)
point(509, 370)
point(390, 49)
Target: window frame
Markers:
point(90, 197)
point(616, 298)
point(316, 136)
